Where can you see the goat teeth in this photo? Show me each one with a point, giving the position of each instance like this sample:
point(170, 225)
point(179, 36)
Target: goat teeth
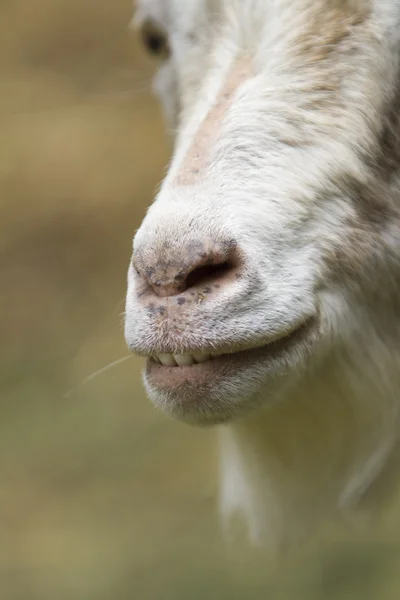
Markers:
point(201, 357)
point(167, 360)
point(183, 360)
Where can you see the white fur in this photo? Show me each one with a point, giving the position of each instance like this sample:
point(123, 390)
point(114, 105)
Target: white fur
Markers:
point(291, 177)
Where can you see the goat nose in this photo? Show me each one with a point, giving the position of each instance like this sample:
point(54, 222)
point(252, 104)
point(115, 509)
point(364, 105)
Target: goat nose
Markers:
point(169, 272)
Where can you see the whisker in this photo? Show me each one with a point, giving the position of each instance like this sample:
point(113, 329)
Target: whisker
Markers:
point(92, 376)
point(118, 307)
point(121, 321)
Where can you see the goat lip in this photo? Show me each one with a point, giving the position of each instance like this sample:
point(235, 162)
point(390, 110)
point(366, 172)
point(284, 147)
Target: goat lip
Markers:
point(171, 378)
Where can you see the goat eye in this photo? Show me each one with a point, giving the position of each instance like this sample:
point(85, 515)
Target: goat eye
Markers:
point(155, 39)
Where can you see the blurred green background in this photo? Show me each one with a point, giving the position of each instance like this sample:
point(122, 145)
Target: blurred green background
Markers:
point(101, 497)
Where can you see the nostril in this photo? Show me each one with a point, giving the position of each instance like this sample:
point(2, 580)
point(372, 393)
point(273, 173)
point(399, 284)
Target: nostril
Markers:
point(172, 271)
point(207, 273)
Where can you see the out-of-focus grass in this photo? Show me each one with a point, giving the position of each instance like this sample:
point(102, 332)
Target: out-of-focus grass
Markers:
point(100, 496)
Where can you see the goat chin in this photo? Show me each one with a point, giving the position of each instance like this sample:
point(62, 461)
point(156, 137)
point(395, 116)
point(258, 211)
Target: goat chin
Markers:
point(327, 449)
point(264, 282)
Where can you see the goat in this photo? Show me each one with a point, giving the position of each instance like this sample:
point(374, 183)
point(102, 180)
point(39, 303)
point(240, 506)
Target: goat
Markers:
point(264, 286)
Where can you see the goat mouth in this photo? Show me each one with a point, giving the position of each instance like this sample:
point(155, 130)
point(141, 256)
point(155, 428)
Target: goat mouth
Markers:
point(171, 372)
